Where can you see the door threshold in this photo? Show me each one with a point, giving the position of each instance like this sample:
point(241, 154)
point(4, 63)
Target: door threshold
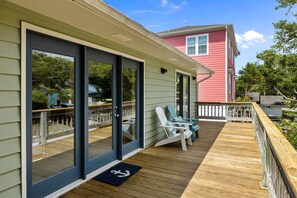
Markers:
point(90, 176)
point(132, 153)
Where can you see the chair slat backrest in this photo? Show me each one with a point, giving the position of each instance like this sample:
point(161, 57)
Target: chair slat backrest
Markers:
point(171, 111)
point(163, 119)
point(161, 115)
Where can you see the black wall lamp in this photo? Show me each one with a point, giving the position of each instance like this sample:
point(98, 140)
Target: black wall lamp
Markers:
point(163, 71)
point(194, 78)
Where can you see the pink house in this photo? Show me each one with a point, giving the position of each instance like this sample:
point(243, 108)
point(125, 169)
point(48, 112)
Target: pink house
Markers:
point(215, 47)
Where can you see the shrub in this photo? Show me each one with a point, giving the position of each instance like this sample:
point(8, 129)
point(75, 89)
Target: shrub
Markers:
point(289, 129)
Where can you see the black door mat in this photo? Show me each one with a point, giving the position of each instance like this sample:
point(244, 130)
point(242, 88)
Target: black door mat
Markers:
point(118, 174)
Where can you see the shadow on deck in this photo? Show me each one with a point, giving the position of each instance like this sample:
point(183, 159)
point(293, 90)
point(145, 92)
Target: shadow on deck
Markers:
point(224, 162)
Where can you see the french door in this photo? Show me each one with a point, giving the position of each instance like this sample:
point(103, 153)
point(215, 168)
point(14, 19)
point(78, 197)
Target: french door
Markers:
point(83, 111)
point(183, 95)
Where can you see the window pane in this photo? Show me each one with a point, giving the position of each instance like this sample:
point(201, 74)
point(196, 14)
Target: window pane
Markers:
point(202, 49)
point(52, 114)
point(191, 41)
point(202, 40)
point(191, 50)
point(100, 108)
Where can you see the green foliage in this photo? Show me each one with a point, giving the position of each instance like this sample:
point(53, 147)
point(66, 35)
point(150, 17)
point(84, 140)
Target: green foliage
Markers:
point(251, 79)
point(277, 69)
point(100, 76)
point(289, 129)
point(39, 100)
point(129, 84)
point(53, 74)
point(243, 99)
point(285, 30)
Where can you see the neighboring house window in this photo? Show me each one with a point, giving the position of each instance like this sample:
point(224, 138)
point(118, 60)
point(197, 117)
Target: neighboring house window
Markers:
point(191, 46)
point(197, 45)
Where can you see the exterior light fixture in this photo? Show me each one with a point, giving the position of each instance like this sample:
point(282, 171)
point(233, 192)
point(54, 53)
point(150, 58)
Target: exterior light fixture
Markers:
point(163, 71)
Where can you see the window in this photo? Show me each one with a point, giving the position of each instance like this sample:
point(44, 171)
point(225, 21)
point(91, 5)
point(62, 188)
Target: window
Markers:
point(197, 45)
point(191, 43)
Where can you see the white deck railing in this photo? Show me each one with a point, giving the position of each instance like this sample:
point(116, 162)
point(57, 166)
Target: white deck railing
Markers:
point(224, 111)
point(279, 158)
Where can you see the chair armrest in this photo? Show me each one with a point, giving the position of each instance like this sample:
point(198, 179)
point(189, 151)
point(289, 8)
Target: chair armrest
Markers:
point(174, 127)
point(182, 123)
point(194, 119)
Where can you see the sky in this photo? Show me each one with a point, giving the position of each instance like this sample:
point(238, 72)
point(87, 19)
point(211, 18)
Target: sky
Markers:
point(252, 19)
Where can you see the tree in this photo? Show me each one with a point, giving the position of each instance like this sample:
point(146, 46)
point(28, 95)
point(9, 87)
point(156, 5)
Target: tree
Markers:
point(286, 31)
point(278, 73)
point(249, 80)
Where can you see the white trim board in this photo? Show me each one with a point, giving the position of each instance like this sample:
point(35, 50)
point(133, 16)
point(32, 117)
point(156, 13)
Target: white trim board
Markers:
point(42, 30)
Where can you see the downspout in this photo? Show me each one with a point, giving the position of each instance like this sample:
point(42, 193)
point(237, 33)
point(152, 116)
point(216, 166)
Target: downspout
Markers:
point(210, 75)
point(199, 81)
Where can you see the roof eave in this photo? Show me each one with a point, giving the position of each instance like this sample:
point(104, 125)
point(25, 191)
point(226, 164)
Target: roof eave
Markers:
point(98, 12)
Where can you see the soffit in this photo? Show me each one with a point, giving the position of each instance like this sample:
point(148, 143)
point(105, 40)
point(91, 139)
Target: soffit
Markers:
point(96, 17)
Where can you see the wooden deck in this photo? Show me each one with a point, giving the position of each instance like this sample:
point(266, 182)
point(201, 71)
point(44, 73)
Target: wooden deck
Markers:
point(224, 162)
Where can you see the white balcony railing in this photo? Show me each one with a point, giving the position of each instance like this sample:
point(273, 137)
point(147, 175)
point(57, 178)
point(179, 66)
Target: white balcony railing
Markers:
point(279, 158)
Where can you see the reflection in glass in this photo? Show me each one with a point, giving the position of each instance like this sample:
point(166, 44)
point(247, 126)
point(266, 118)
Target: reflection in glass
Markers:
point(178, 76)
point(129, 105)
point(52, 114)
point(185, 96)
point(100, 108)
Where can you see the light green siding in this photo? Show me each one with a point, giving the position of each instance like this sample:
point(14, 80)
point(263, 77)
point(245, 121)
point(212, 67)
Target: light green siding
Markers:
point(160, 91)
point(159, 88)
point(14, 192)
point(10, 146)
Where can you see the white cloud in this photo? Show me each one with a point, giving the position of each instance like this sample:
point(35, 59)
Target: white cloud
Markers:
point(244, 46)
point(173, 6)
point(238, 38)
point(249, 38)
point(185, 20)
point(253, 36)
point(179, 6)
point(164, 3)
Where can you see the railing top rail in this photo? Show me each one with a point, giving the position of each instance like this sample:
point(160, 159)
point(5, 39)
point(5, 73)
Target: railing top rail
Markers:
point(226, 103)
point(71, 108)
point(286, 154)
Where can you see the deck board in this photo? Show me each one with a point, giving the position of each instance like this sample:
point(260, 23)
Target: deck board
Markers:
point(224, 162)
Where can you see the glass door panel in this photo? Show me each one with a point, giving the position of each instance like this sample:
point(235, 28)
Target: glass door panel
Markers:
point(186, 96)
point(101, 103)
point(182, 95)
point(131, 83)
point(53, 107)
point(100, 112)
point(129, 87)
point(178, 89)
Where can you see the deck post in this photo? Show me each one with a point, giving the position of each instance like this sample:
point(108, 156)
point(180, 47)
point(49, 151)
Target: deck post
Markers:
point(43, 127)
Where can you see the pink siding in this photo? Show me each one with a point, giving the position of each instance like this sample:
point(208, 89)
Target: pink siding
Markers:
point(213, 89)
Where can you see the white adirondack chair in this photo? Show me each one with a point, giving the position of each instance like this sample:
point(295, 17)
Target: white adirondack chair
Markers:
point(182, 128)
